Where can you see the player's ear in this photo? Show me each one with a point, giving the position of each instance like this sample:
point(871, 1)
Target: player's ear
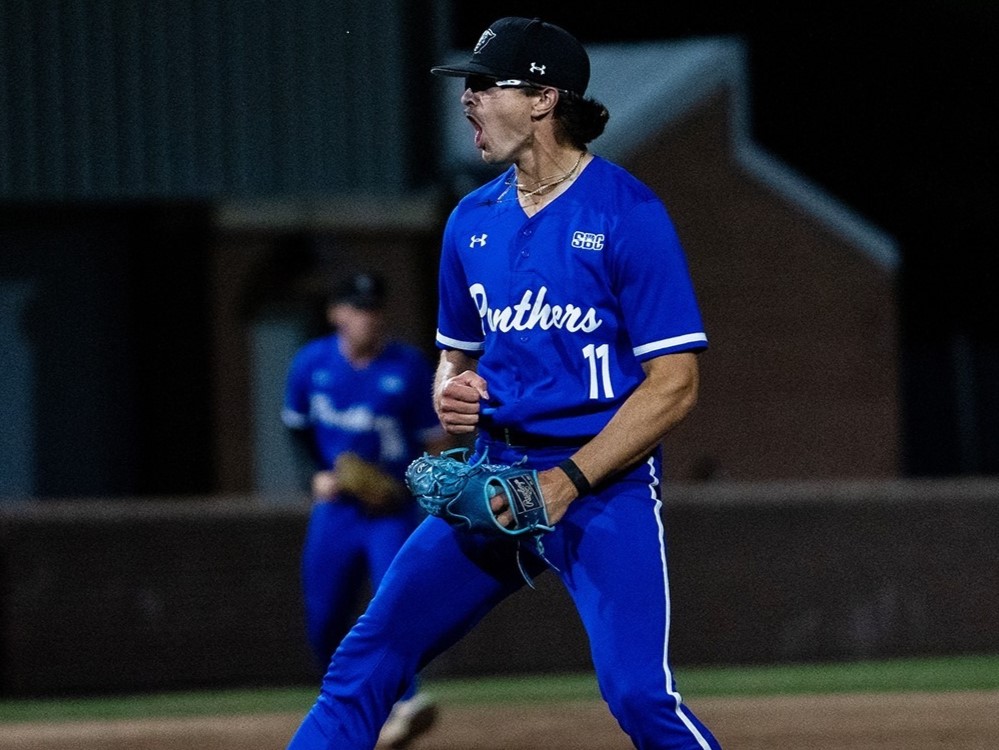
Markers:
point(544, 102)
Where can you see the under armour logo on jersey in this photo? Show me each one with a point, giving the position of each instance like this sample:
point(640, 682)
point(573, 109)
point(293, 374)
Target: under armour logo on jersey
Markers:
point(588, 241)
point(539, 69)
point(480, 240)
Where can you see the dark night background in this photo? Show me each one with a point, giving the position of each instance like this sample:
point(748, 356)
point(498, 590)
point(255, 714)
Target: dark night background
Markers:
point(890, 108)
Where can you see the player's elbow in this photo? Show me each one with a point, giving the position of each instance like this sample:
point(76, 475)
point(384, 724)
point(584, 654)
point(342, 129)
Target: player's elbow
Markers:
point(686, 399)
point(678, 399)
point(675, 380)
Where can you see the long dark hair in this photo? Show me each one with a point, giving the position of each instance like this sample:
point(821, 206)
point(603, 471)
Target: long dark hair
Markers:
point(582, 119)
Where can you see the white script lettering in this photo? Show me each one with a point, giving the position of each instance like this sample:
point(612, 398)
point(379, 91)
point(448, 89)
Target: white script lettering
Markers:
point(534, 312)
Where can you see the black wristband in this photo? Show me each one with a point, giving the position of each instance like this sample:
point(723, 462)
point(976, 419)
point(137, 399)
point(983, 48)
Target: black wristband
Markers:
point(578, 479)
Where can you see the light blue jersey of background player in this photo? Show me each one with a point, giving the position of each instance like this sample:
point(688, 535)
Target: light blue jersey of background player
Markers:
point(380, 411)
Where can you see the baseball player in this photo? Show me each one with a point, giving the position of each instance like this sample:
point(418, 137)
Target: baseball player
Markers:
point(569, 336)
point(353, 394)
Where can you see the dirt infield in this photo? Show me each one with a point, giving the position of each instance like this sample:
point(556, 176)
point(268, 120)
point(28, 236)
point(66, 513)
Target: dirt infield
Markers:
point(916, 721)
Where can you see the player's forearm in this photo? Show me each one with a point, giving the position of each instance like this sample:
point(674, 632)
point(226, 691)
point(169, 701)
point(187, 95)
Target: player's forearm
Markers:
point(661, 402)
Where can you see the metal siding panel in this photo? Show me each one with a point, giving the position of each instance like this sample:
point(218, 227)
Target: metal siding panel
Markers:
point(127, 137)
point(52, 124)
point(204, 98)
point(87, 97)
point(97, 151)
point(344, 171)
point(259, 131)
point(234, 83)
point(23, 69)
point(81, 101)
point(153, 79)
point(180, 111)
point(285, 96)
point(208, 91)
point(381, 56)
point(6, 105)
point(369, 95)
point(392, 56)
point(370, 77)
point(312, 153)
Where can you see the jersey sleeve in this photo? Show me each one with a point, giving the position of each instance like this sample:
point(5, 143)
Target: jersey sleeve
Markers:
point(653, 283)
point(458, 323)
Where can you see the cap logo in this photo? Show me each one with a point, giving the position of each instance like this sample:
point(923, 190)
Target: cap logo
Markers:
point(486, 37)
point(539, 69)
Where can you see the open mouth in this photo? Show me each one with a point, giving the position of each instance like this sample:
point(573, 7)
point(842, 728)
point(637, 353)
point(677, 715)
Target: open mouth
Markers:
point(478, 130)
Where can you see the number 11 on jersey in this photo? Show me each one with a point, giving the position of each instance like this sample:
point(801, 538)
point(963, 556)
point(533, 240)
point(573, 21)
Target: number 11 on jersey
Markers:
point(598, 359)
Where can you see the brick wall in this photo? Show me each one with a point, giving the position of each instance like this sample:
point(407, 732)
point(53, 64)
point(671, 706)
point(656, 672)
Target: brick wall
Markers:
point(801, 380)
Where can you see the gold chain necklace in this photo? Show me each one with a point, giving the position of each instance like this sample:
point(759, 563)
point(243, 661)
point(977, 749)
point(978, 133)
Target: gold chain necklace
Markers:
point(549, 185)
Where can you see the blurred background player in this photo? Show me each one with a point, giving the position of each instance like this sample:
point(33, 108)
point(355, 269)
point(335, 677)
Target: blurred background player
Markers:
point(357, 401)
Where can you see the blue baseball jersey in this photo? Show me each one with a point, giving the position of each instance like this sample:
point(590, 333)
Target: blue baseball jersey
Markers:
point(562, 308)
point(383, 412)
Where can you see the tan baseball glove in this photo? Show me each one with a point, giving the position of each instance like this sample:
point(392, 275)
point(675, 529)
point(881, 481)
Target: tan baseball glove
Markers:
point(377, 491)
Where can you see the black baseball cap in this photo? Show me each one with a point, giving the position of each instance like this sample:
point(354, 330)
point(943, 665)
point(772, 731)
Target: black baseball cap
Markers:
point(527, 49)
point(365, 291)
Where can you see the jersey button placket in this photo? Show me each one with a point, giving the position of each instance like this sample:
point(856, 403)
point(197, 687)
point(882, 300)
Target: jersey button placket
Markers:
point(522, 250)
point(524, 253)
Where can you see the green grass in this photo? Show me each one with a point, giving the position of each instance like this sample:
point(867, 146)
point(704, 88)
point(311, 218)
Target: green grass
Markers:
point(903, 675)
point(930, 675)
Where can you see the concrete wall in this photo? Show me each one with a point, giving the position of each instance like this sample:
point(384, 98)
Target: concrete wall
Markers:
point(170, 594)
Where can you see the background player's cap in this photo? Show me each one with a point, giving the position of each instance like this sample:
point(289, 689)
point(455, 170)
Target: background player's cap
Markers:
point(527, 49)
point(365, 291)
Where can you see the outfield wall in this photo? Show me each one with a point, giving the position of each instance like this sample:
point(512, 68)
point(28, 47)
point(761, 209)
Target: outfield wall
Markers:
point(131, 596)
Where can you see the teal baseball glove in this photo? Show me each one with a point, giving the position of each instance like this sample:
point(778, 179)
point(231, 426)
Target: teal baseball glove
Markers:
point(449, 487)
